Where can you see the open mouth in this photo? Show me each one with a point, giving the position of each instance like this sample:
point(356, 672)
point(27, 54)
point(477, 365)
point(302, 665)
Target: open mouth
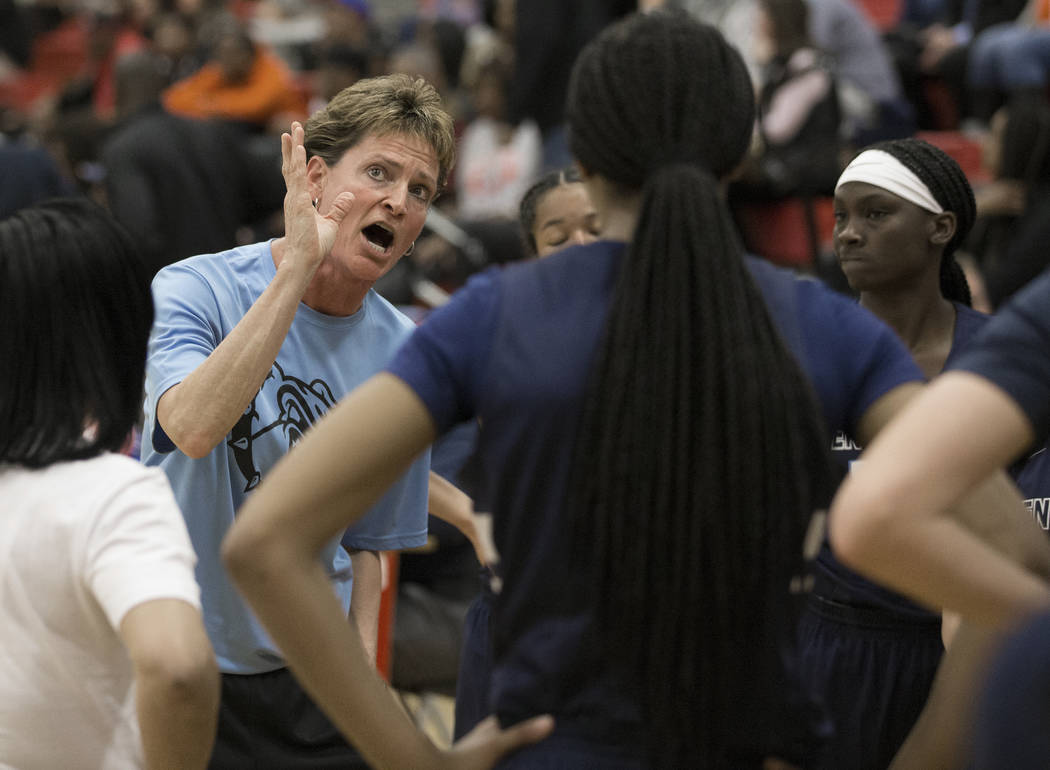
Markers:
point(378, 237)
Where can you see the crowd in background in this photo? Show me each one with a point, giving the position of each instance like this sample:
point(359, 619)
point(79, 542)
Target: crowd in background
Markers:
point(137, 102)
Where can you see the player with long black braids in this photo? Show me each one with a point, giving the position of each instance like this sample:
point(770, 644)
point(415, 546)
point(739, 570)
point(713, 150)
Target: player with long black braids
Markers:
point(650, 449)
point(694, 532)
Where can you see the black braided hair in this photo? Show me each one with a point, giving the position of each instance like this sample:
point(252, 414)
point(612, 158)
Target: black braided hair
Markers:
point(950, 188)
point(700, 456)
point(530, 201)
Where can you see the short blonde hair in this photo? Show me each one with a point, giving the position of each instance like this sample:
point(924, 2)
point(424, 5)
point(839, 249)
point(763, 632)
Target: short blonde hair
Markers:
point(391, 104)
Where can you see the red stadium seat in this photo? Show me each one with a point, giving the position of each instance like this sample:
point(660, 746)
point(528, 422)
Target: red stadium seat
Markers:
point(792, 232)
point(965, 151)
point(884, 14)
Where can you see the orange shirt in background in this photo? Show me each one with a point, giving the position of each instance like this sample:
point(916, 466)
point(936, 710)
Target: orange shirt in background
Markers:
point(269, 91)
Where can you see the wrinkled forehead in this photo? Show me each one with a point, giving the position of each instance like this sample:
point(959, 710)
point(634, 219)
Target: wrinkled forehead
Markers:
point(405, 149)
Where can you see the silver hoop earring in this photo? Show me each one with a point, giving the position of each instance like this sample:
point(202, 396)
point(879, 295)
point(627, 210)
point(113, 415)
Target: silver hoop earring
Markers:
point(410, 250)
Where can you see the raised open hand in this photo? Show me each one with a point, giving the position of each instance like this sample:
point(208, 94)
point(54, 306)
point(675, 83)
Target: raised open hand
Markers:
point(308, 233)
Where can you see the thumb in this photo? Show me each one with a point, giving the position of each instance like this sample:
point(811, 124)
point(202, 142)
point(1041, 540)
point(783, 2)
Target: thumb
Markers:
point(340, 207)
point(524, 733)
point(496, 741)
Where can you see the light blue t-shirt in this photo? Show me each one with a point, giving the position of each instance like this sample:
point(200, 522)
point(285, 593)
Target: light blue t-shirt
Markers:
point(198, 302)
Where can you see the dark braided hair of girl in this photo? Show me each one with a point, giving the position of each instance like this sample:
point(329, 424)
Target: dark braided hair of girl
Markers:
point(950, 187)
point(700, 456)
point(530, 201)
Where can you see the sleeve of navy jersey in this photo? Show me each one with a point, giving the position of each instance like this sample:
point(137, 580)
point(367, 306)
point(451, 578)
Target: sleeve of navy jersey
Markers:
point(444, 359)
point(852, 357)
point(1013, 352)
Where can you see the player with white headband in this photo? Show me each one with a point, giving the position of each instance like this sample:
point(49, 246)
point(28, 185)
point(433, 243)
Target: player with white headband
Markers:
point(901, 209)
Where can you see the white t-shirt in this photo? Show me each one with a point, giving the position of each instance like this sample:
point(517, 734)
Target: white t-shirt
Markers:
point(81, 543)
point(491, 177)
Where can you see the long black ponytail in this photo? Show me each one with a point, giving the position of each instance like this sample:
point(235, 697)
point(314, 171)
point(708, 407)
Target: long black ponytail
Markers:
point(700, 457)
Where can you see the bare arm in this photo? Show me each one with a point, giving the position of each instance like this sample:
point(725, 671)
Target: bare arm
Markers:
point(176, 682)
point(891, 517)
point(333, 477)
point(994, 512)
point(198, 412)
point(882, 411)
point(451, 504)
point(941, 735)
point(365, 599)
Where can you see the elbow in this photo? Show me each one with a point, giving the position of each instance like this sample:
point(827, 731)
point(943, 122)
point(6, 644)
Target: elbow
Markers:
point(248, 554)
point(854, 528)
point(194, 443)
point(236, 553)
point(186, 428)
point(186, 673)
point(846, 543)
point(193, 450)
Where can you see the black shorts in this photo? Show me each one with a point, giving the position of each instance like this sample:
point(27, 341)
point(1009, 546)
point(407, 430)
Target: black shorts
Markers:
point(873, 669)
point(268, 721)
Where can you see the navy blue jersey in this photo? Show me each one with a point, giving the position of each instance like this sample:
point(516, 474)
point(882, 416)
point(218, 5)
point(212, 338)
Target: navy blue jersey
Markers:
point(515, 347)
point(835, 581)
point(1011, 352)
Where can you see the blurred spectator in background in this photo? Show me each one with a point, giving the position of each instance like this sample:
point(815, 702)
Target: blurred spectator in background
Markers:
point(447, 40)
point(1010, 58)
point(735, 18)
point(940, 50)
point(182, 186)
point(921, 13)
point(111, 33)
point(798, 125)
point(14, 37)
point(1013, 225)
point(348, 22)
point(290, 28)
point(338, 66)
point(242, 83)
point(173, 37)
point(28, 174)
point(465, 12)
point(421, 59)
point(497, 159)
point(873, 104)
point(547, 36)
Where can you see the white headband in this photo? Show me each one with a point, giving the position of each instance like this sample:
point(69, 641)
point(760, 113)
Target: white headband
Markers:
point(881, 169)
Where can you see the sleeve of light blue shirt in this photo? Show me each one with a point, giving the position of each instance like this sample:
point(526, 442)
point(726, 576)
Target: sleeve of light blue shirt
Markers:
point(184, 334)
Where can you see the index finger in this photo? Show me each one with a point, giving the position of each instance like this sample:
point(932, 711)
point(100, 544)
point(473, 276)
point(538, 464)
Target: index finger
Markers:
point(293, 156)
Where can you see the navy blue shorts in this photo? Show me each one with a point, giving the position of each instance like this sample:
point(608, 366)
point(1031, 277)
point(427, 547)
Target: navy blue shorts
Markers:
point(560, 752)
point(268, 721)
point(475, 667)
point(873, 670)
point(1013, 715)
